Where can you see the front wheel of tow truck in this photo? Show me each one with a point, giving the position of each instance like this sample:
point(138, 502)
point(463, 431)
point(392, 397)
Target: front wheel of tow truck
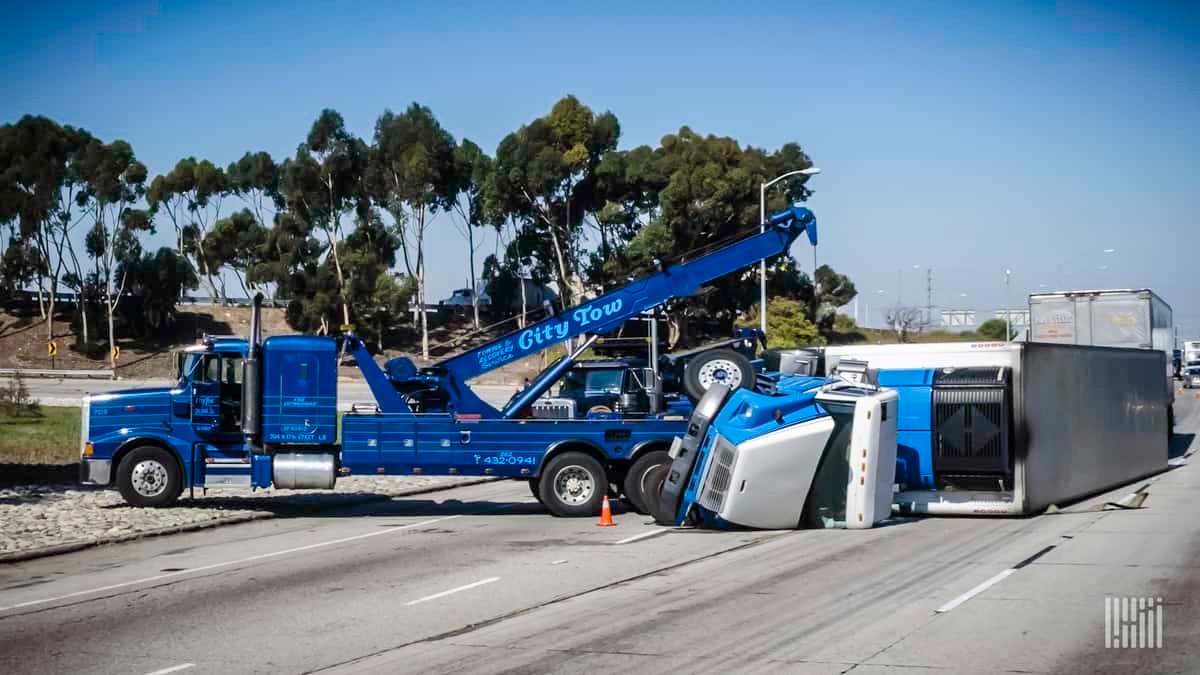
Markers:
point(636, 486)
point(149, 476)
point(573, 484)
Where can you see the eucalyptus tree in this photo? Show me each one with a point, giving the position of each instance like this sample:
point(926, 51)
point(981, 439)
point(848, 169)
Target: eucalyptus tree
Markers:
point(114, 184)
point(39, 185)
point(157, 280)
point(236, 242)
point(413, 177)
point(545, 177)
point(475, 184)
point(254, 178)
point(191, 195)
point(320, 186)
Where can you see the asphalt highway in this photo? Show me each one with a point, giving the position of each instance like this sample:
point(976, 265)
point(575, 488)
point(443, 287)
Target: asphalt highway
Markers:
point(482, 580)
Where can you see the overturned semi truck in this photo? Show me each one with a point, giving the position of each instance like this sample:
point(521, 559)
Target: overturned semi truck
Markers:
point(809, 451)
point(948, 429)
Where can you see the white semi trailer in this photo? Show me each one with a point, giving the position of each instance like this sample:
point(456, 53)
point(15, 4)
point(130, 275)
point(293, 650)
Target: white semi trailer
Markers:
point(1135, 318)
point(1009, 428)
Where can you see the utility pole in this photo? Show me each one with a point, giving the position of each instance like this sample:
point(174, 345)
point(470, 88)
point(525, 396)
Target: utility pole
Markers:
point(929, 295)
point(1008, 313)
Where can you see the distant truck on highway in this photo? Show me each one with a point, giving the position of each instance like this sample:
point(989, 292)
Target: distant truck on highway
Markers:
point(1189, 364)
point(1135, 318)
point(1190, 355)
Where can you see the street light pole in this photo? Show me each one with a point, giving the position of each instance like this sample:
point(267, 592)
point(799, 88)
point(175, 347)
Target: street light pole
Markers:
point(762, 227)
point(1008, 313)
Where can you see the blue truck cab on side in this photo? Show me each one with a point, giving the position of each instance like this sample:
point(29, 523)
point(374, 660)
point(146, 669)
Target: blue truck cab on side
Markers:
point(152, 442)
point(261, 413)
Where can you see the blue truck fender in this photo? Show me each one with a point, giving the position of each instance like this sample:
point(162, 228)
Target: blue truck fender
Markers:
point(567, 445)
point(648, 445)
point(168, 443)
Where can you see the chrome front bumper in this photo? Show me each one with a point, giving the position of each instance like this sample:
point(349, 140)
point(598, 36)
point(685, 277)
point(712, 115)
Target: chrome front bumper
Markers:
point(95, 471)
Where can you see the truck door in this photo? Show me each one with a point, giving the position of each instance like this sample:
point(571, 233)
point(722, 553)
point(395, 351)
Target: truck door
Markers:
point(216, 395)
point(206, 395)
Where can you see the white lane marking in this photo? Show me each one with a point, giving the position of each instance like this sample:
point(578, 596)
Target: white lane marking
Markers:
point(173, 669)
point(639, 537)
point(975, 591)
point(557, 562)
point(205, 568)
point(443, 594)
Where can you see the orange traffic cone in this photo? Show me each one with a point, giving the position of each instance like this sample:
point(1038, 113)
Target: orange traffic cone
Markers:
point(605, 514)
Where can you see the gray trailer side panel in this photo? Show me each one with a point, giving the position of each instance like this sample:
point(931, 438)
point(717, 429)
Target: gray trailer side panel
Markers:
point(1091, 418)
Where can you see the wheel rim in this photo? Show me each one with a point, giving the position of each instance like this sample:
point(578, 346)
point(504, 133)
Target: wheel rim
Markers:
point(574, 485)
point(720, 370)
point(149, 478)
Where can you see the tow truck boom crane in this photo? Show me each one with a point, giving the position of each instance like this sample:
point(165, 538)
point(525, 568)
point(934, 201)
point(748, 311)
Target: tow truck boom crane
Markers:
point(595, 317)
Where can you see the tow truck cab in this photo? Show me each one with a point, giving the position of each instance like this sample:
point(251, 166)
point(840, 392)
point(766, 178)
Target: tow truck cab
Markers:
point(152, 443)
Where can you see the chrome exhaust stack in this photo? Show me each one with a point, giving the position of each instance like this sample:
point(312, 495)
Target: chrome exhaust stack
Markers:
point(252, 375)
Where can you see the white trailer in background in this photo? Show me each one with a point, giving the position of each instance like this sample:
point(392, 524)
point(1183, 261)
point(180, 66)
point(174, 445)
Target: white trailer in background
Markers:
point(1134, 318)
point(1190, 354)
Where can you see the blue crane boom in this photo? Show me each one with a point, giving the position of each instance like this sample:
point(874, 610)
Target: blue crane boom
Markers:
point(596, 317)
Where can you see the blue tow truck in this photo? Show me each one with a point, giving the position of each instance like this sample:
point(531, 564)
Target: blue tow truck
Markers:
point(262, 413)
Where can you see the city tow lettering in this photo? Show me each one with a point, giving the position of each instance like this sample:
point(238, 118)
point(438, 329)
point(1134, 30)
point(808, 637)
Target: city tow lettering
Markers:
point(552, 333)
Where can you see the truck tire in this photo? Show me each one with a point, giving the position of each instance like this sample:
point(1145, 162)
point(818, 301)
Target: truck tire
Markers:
point(535, 489)
point(718, 365)
point(149, 476)
point(573, 484)
point(655, 478)
point(636, 485)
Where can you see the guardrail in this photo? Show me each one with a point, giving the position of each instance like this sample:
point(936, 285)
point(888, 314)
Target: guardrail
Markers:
point(60, 374)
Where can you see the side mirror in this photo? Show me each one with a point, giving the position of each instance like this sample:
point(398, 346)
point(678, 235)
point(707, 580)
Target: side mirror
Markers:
point(180, 357)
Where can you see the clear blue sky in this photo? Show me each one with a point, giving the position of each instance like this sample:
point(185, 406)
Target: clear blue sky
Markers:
point(967, 136)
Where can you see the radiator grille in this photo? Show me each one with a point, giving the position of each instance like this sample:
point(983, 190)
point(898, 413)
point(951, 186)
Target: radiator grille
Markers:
point(971, 430)
point(720, 473)
point(553, 409)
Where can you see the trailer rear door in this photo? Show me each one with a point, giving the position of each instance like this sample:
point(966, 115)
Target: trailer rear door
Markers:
point(1120, 321)
point(1053, 319)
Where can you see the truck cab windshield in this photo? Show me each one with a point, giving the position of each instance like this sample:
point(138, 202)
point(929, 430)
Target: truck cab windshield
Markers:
point(186, 365)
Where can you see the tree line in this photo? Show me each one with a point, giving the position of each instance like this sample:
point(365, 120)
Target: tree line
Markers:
point(338, 230)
